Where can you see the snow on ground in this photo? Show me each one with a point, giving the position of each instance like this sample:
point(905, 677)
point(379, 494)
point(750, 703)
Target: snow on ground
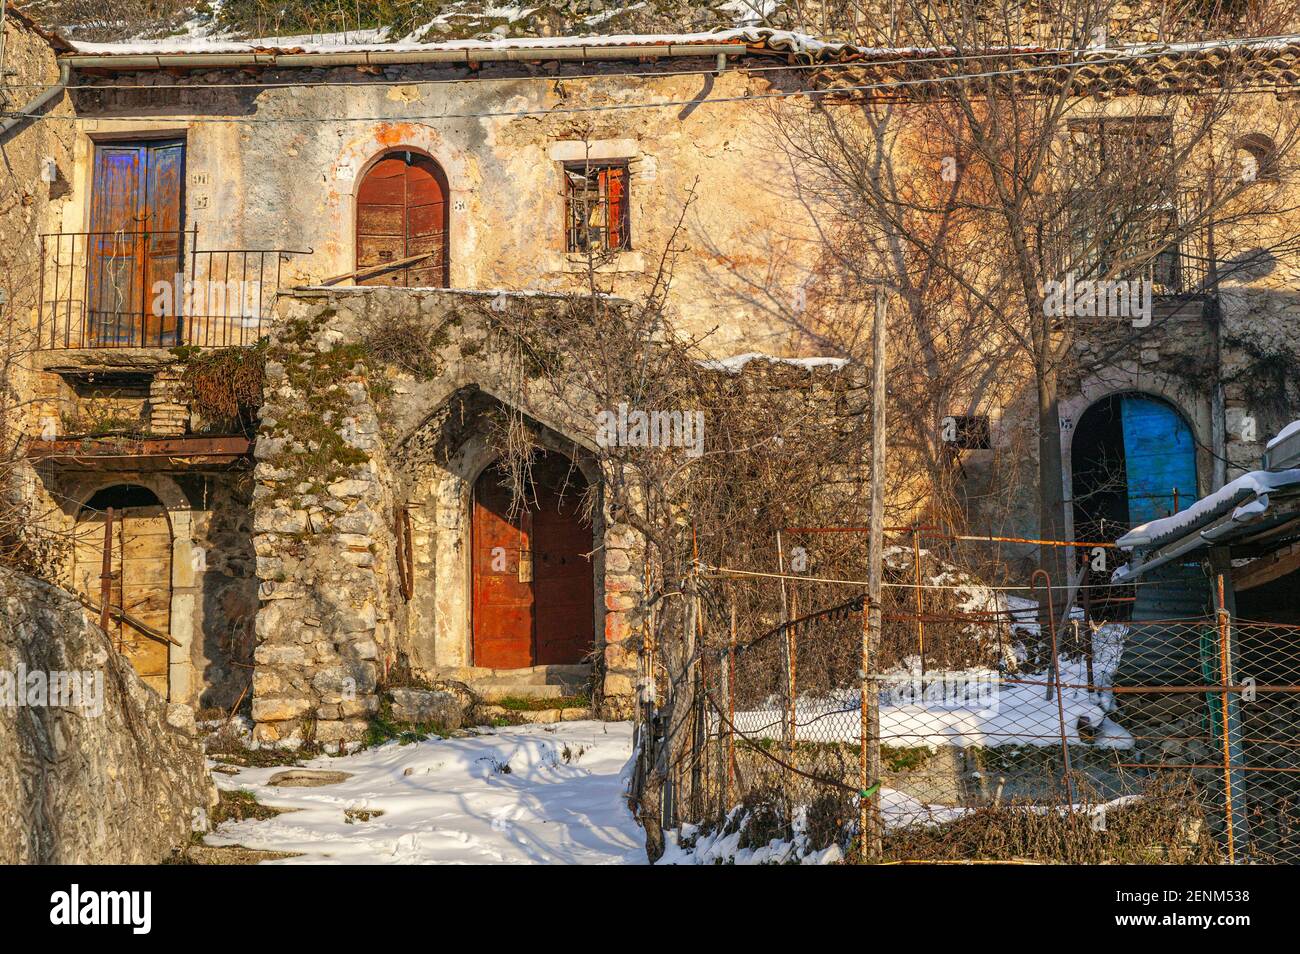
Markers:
point(978, 706)
point(452, 802)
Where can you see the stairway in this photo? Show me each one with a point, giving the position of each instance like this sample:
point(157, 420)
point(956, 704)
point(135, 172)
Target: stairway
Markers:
point(533, 682)
point(1157, 654)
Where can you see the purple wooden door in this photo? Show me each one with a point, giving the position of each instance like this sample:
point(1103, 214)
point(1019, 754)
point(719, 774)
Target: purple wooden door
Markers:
point(136, 222)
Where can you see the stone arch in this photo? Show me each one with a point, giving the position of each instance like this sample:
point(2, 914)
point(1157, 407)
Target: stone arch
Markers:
point(1259, 152)
point(441, 497)
point(1079, 445)
point(184, 563)
point(358, 153)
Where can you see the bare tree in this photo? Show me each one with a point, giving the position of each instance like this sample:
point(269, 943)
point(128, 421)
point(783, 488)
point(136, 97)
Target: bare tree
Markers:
point(1022, 197)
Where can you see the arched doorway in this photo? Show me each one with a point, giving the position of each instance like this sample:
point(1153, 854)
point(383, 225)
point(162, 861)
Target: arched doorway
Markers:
point(1133, 459)
point(140, 593)
point(533, 587)
point(402, 213)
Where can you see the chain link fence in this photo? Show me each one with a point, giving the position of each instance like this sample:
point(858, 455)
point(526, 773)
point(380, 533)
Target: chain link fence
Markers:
point(969, 736)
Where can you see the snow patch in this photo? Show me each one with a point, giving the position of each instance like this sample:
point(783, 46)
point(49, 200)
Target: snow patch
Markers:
point(509, 796)
point(737, 363)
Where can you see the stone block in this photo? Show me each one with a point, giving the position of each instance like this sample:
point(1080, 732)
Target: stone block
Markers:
point(441, 708)
point(280, 709)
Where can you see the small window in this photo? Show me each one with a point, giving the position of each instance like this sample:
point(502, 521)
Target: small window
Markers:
point(967, 431)
point(1258, 158)
point(596, 197)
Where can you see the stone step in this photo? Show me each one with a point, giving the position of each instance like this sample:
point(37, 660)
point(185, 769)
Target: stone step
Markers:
point(496, 690)
point(537, 716)
point(530, 676)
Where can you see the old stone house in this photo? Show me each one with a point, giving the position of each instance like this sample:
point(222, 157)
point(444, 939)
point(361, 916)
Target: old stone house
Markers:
point(312, 193)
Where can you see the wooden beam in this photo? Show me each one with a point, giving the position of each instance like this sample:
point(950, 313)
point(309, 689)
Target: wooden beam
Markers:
point(376, 269)
point(1266, 569)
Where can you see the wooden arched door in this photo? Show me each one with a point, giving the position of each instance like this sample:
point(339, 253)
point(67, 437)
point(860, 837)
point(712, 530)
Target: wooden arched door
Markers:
point(140, 561)
point(534, 592)
point(401, 214)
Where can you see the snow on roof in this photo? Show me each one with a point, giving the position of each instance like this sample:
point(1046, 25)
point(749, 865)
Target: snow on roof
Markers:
point(1292, 428)
point(736, 363)
point(1248, 494)
point(376, 41)
point(782, 41)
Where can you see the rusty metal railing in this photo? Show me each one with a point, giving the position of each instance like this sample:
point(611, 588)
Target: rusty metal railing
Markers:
point(153, 289)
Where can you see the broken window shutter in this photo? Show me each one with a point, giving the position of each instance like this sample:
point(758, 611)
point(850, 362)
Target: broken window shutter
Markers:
point(616, 190)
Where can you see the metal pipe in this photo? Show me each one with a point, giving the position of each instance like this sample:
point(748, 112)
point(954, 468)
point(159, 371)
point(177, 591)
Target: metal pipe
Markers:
point(459, 57)
point(51, 95)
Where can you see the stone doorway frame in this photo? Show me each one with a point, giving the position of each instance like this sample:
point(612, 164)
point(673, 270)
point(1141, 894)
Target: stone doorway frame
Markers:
point(184, 583)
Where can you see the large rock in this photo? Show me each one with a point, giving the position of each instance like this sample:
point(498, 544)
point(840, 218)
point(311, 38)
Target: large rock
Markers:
point(436, 706)
point(116, 776)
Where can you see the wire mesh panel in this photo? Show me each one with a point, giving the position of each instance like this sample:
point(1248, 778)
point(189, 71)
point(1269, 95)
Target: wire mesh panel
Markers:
point(1007, 735)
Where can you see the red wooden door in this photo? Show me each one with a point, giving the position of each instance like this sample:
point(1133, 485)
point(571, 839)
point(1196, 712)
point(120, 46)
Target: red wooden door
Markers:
point(534, 594)
point(136, 222)
point(502, 569)
point(565, 592)
point(402, 212)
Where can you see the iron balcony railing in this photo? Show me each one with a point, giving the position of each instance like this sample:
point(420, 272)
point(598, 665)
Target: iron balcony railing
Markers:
point(1167, 238)
point(153, 289)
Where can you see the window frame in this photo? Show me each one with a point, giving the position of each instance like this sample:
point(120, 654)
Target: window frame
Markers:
point(574, 228)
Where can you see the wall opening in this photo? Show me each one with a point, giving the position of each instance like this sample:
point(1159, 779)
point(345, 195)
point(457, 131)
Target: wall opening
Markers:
point(1133, 460)
point(139, 548)
point(402, 217)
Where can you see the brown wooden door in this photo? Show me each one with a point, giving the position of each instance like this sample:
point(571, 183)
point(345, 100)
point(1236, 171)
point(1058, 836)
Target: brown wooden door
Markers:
point(564, 616)
point(402, 212)
point(136, 241)
point(141, 582)
point(534, 594)
point(503, 590)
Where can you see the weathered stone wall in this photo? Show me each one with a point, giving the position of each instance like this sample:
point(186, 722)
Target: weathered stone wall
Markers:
point(1260, 369)
point(284, 184)
point(322, 534)
point(347, 441)
point(126, 785)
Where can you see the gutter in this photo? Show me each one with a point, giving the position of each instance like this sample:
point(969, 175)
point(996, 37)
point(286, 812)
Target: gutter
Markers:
point(459, 57)
point(51, 95)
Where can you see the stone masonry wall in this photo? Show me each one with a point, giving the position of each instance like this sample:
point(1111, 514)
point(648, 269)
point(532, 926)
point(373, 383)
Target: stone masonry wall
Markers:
point(347, 441)
point(122, 781)
point(321, 535)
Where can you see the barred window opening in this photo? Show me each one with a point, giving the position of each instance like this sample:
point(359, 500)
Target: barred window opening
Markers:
point(597, 207)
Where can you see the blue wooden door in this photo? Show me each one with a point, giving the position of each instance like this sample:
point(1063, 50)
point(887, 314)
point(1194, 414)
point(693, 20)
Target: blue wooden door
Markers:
point(136, 241)
point(1159, 459)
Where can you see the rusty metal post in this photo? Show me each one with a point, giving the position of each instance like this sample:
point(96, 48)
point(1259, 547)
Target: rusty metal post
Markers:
point(106, 573)
point(1056, 680)
point(1087, 623)
point(1234, 780)
point(792, 716)
point(920, 624)
point(730, 693)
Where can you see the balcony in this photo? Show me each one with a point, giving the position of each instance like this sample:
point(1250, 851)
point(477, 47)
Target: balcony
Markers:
point(1167, 240)
point(142, 289)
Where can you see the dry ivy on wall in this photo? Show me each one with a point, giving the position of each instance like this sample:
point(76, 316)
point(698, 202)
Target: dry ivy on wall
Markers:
point(225, 385)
